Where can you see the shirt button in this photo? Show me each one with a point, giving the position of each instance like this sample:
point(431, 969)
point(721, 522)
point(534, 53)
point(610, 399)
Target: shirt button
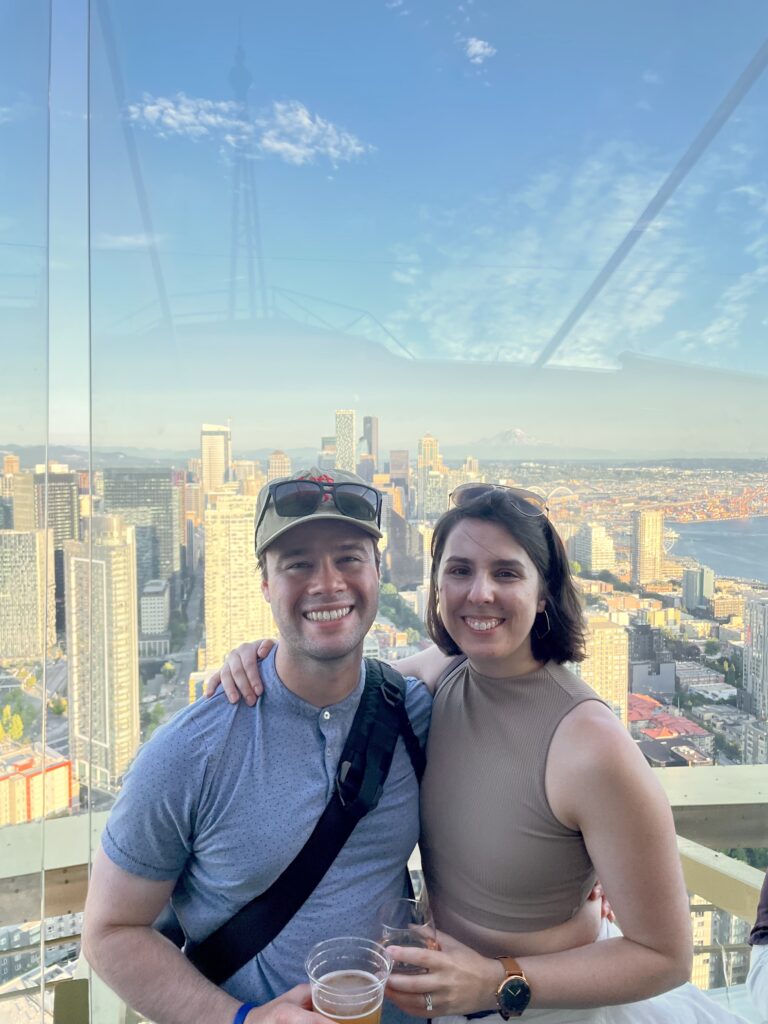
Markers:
point(326, 715)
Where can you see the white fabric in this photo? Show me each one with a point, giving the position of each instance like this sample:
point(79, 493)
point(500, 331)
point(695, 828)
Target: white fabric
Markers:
point(757, 982)
point(683, 1005)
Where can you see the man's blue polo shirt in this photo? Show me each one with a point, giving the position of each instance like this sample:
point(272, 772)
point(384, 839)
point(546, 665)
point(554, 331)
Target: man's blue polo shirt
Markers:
point(224, 796)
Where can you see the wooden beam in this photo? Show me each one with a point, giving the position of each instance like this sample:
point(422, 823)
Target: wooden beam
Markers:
point(728, 884)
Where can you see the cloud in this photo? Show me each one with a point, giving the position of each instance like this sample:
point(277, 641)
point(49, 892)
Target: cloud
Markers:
point(498, 276)
point(191, 117)
point(299, 137)
point(478, 50)
point(6, 115)
point(651, 77)
point(287, 130)
point(127, 242)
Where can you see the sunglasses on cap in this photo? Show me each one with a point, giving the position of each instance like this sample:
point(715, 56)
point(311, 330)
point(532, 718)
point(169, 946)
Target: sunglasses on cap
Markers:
point(296, 498)
point(527, 503)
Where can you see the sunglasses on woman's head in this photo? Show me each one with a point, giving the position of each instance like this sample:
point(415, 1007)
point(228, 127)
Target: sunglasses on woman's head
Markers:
point(527, 503)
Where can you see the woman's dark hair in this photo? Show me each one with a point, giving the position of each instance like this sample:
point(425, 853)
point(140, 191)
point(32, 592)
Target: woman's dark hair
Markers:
point(564, 640)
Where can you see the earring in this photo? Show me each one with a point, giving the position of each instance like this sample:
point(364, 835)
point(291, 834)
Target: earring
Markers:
point(540, 636)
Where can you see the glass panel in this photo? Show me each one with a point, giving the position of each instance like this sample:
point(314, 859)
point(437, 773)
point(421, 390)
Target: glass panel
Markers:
point(33, 775)
point(436, 244)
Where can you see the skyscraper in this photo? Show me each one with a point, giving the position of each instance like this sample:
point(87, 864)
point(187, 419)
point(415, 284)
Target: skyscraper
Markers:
point(646, 546)
point(428, 460)
point(235, 608)
point(103, 652)
point(346, 440)
point(63, 513)
point(11, 465)
point(593, 548)
point(756, 656)
point(278, 466)
point(371, 438)
point(606, 667)
point(147, 499)
point(698, 587)
point(215, 455)
point(27, 613)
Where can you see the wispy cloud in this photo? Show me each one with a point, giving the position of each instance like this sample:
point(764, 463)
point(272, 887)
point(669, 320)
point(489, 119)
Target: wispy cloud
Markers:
point(127, 242)
point(499, 276)
point(192, 117)
point(651, 77)
point(299, 137)
point(288, 130)
point(478, 50)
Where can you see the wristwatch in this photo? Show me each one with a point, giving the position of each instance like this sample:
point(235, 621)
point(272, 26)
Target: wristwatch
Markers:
point(514, 993)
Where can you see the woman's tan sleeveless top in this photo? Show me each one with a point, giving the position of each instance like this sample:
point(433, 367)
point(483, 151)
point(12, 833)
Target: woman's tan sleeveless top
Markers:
point(492, 849)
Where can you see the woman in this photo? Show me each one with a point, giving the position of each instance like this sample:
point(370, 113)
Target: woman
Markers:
point(533, 788)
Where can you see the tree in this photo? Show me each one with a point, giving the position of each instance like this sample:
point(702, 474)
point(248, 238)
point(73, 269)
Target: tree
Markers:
point(711, 647)
point(16, 730)
point(7, 715)
point(2, 734)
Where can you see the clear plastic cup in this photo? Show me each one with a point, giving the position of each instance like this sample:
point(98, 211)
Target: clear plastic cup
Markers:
point(347, 976)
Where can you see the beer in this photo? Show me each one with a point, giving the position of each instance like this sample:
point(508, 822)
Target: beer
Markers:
point(348, 996)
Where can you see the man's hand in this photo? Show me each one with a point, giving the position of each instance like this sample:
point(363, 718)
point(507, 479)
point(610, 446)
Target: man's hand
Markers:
point(293, 1007)
point(606, 910)
point(239, 675)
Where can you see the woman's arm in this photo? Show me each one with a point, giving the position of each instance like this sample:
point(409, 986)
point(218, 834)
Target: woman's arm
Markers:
point(239, 675)
point(597, 781)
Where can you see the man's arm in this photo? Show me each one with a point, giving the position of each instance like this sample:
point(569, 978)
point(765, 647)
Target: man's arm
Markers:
point(147, 970)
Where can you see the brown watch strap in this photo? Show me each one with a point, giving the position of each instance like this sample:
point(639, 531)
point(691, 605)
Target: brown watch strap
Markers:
point(511, 967)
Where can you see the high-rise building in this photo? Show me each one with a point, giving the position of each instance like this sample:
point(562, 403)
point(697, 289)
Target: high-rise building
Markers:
point(346, 440)
point(27, 609)
point(34, 781)
point(371, 438)
point(698, 587)
point(148, 500)
point(278, 466)
point(428, 460)
point(647, 546)
point(593, 548)
point(235, 608)
point(103, 652)
point(606, 667)
point(215, 456)
point(756, 656)
point(11, 465)
point(63, 515)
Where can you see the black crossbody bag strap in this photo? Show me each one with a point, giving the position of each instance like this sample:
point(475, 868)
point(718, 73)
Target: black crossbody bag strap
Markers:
point(363, 768)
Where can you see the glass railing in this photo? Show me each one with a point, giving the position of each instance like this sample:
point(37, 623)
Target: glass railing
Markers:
point(524, 246)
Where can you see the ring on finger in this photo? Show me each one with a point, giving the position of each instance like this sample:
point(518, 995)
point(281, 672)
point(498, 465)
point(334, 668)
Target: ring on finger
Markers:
point(428, 1001)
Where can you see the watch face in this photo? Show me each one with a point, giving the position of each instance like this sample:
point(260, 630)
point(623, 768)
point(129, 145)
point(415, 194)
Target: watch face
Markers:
point(514, 995)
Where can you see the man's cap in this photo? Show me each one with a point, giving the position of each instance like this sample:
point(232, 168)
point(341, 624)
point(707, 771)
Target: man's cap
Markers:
point(271, 525)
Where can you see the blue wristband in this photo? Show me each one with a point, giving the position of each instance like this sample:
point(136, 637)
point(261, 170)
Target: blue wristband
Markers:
point(243, 1012)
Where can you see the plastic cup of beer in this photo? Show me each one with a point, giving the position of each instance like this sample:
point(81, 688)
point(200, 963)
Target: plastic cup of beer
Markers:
point(407, 922)
point(347, 977)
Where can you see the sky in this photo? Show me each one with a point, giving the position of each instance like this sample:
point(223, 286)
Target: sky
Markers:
point(436, 184)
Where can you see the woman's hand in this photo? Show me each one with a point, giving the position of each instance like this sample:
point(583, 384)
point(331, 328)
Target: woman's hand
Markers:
point(239, 675)
point(458, 980)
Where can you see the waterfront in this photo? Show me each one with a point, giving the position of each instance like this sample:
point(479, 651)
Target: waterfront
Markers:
point(734, 547)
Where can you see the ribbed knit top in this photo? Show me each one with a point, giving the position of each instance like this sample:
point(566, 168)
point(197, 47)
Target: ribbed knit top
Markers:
point(492, 849)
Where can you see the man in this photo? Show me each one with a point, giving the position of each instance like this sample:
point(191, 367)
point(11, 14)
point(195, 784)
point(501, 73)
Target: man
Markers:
point(224, 796)
point(757, 979)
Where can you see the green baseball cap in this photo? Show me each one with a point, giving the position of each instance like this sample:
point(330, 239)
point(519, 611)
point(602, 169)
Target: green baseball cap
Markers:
point(326, 494)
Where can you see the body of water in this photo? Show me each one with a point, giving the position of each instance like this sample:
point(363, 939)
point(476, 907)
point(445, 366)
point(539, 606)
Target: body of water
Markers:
point(737, 547)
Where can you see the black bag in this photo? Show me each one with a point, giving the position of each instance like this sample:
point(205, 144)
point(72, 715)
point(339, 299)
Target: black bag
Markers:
point(363, 768)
